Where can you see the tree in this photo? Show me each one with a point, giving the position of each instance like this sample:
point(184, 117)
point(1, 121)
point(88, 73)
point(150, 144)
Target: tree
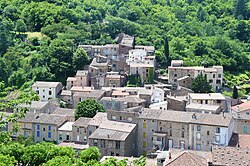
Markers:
point(21, 26)
point(235, 93)
point(166, 50)
point(241, 8)
point(59, 161)
point(88, 108)
point(89, 154)
point(201, 85)
point(80, 59)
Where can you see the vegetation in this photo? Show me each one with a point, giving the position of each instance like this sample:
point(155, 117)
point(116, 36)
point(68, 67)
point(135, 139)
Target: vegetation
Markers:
point(88, 108)
point(235, 92)
point(201, 85)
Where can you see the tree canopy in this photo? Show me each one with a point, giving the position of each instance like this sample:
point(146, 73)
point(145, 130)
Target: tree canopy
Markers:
point(88, 108)
point(201, 85)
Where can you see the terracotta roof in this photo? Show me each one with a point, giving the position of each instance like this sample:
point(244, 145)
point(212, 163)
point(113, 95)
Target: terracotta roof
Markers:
point(244, 141)
point(230, 156)
point(189, 158)
point(242, 107)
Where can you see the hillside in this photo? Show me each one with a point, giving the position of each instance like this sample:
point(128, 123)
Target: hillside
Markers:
point(38, 39)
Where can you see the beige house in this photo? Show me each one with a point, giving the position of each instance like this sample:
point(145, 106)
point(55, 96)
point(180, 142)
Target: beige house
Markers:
point(81, 79)
point(243, 108)
point(115, 138)
point(65, 132)
point(242, 123)
point(177, 73)
point(79, 129)
point(204, 108)
point(208, 99)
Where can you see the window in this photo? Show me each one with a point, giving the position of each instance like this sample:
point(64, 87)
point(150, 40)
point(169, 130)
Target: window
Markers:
point(43, 96)
point(198, 128)
point(144, 144)
point(170, 132)
point(37, 92)
point(144, 135)
point(218, 101)
point(182, 145)
point(50, 92)
point(117, 144)
point(117, 154)
point(218, 82)
point(182, 134)
point(60, 136)
point(206, 101)
point(102, 143)
point(85, 139)
point(160, 128)
point(113, 117)
point(245, 130)
point(49, 134)
point(49, 128)
point(210, 81)
point(175, 75)
point(213, 75)
point(120, 117)
point(80, 99)
point(130, 119)
point(38, 127)
point(111, 153)
point(198, 146)
point(77, 129)
point(217, 139)
point(158, 138)
point(43, 90)
point(182, 127)
point(144, 125)
point(207, 132)
point(44, 129)
point(198, 134)
point(67, 137)
point(95, 142)
point(217, 130)
point(219, 75)
point(38, 133)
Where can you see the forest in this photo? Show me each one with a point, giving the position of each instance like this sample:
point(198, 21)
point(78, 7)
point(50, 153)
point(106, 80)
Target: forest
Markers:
point(39, 38)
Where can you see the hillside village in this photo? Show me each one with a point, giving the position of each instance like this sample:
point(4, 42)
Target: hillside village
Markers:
point(163, 120)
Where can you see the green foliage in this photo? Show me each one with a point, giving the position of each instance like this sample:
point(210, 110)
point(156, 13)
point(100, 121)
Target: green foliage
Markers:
point(201, 85)
point(141, 161)
point(21, 26)
point(88, 108)
point(114, 162)
point(6, 160)
point(134, 81)
point(150, 75)
point(235, 93)
point(59, 161)
point(90, 154)
point(80, 59)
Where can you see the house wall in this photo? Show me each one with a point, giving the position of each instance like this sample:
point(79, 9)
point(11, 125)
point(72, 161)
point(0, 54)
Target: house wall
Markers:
point(44, 132)
point(43, 92)
point(81, 136)
point(62, 136)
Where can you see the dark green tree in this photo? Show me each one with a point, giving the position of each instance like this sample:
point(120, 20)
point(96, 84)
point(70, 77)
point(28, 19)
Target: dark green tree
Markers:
point(80, 59)
point(235, 92)
point(88, 108)
point(166, 50)
point(201, 85)
point(241, 8)
point(21, 26)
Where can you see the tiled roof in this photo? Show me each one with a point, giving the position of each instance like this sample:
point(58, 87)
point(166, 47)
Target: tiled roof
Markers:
point(82, 122)
point(71, 79)
point(242, 107)
point(187, 117)
point(50, 119)
point(66, 93)
point(35, 105)
point(119, 126)
point(189, 158)
point(203, 107)
point(64, 111)
point(98, 119)
point(230, 156)
point(82, 72)
point(45, 84)
point(108, 134)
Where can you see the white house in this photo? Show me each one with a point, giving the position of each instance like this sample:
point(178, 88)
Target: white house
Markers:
point(47, 90)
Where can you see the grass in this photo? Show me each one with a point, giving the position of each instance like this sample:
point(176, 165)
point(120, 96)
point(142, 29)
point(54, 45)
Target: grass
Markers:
point(39, 35)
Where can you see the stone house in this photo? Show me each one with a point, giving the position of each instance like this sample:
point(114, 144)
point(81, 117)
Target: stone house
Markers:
point(242, 123)
point(81, 79)
point(243, 108)
point(38, 107)
point(115, 138)
point(159, 129)
point(114, 79)
point(178, 71)
point(47, 90)
point(79, 130)
point(204, 108)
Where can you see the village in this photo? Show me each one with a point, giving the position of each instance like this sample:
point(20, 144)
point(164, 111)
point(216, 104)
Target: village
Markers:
point(145, 114)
